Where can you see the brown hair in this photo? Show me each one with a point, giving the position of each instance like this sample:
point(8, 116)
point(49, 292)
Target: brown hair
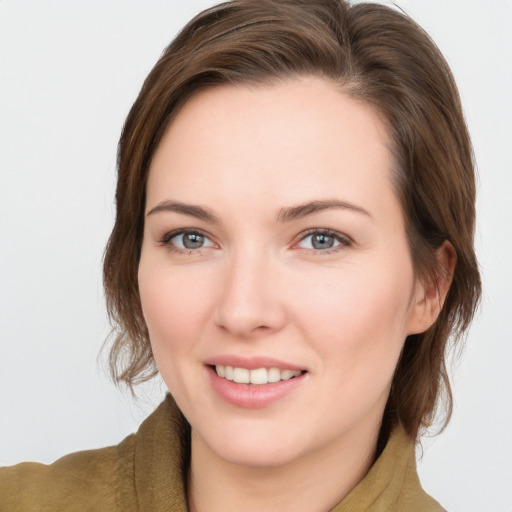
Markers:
point(375, 54)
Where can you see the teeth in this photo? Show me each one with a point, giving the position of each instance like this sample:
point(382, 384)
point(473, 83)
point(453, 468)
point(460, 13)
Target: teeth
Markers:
point(286, 374)
point(258, 377)
point(241, 375)
point(274, 375)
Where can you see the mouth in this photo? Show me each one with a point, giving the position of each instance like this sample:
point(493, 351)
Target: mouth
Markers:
point(254, 383)
point(257, 377)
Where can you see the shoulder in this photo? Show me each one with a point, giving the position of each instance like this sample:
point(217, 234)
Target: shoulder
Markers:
point(392, 484)
point(83, 481)
point(144, 471)
point(411, 495)
point(414, 497)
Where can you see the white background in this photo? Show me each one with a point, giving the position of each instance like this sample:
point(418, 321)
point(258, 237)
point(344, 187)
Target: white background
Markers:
point(69, 72)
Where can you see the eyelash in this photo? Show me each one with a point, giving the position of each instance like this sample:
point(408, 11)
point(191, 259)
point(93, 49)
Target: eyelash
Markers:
point(344, 241)
point(166, 240)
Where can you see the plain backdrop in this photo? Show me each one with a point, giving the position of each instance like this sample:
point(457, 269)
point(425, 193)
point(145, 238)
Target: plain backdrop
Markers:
point(69, 72)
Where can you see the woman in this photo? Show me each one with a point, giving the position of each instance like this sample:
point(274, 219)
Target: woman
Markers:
point(292, 249)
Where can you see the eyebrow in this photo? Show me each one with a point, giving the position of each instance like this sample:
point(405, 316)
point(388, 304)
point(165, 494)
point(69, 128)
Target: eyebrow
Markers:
point(200, 212)
point(303, 210)
point(284, 215)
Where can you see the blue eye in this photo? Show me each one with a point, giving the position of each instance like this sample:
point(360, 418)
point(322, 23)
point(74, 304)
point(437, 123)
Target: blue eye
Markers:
point(187, 240)
point(323, 240)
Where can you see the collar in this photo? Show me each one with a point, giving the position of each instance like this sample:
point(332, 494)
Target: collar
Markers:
point(162, 452)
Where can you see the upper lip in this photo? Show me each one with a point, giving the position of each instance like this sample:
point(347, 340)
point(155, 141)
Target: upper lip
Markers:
point(252, 363)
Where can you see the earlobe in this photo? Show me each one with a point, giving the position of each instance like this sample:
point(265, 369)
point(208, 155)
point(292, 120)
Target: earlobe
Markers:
point(429, 295)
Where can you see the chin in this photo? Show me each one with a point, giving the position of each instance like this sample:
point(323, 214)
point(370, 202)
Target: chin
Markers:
point(252, 446)
point(256, 456)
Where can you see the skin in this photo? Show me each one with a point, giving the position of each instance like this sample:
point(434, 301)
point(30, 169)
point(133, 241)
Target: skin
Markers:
point(258, 287)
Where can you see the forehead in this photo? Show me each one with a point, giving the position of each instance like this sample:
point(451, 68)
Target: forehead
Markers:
point(295, 139)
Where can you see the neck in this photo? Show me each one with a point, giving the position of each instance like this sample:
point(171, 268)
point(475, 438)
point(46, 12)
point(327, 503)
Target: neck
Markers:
point(316, 481)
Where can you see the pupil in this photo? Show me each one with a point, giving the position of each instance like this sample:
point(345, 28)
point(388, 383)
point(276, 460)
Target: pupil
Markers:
point(193, 240)
point(323, 241)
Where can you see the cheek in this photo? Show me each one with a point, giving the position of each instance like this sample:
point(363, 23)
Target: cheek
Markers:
point(174, 308)
point(356, 325)
point(357, 316)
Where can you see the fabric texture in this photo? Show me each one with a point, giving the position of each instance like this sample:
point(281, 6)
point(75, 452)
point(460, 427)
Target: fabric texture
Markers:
point(145, 473)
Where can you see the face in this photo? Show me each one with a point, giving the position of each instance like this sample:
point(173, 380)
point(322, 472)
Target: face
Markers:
point(275, 276)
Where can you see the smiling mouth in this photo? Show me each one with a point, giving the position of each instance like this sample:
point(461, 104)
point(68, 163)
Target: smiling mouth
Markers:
point(258, 377)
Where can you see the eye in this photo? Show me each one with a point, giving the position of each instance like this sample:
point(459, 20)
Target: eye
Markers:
point(186, 240)
point(323, 240)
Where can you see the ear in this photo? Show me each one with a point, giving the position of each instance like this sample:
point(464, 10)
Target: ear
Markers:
point(429, 296)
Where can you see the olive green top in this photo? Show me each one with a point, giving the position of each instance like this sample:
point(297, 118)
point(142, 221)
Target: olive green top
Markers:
point(145, 473)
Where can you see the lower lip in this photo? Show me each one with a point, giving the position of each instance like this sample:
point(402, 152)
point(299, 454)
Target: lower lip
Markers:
point(252, 396)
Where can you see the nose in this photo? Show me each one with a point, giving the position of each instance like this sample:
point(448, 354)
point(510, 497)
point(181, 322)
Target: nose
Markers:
point(250, 296)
